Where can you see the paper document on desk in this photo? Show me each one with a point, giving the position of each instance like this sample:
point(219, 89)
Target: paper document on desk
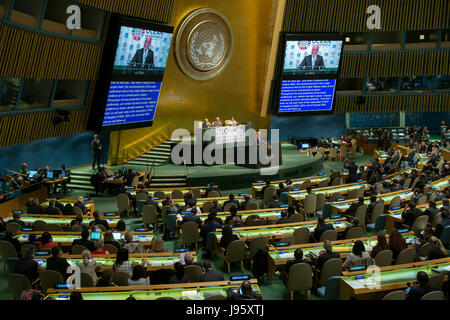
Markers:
point(447, 268)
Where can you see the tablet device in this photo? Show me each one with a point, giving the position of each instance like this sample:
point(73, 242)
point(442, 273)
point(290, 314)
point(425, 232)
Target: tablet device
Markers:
point(240, 277)
point(95, 235)
point(282, 244)
point(49, 175)
point(117, 236)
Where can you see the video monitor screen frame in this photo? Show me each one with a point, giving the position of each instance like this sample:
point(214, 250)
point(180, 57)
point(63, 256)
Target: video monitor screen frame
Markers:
point(282, 76)
point(109, 76)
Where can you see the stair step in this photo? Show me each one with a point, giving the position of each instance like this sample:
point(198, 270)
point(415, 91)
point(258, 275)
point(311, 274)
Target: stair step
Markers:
point(166, 185)
point(153, 156)
point(168, 180)
point(79, 181)
point(144, 163)
point(170, 176)
point(159, 153)
point(163, 147)
point(78, 187)
point(81, 174)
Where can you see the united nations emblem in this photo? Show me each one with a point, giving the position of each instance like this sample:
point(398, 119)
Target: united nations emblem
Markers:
point(204, 44)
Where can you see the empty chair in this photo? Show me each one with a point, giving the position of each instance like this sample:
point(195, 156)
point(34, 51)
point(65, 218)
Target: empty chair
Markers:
point(419, 224)
point(78, 249)
point(300, 236)
point(300, 279)
point(421, 201)
point(49, 278)
point(110, 248)
point(384, 258)
point(213, 194)
point(120, 278)
point(361, 215)
point(361, 191)
point(235, 253)
point(432, 197)
point(86, 280)
point(7, 250)
point(257, 244)
point(406, 256)
point(190, 234)
point(296, 187)
point(436, 220)
point(310, 204)
point(413, 184)
point(331, 290)
point(396, 295)
point(55, 227)
point(177, 194)
point(197, 193)
point(135, 181)
point(353, 194)
point(166, 298)
point(335, 196)
point(323, 183)
point(337, 181)
point(269, 192)
point(328, 235)
point(379, 224)
point(423, 251)
point(158, 194)
point(171, 223)
point(436, 280)
point(150, 216)
point(377, 210)
point(17, 284)
point(193, 272)
point(379, 188)
point(13, 228)
point(284, 196)
point(227, 207)
point(296, 218)
point(78, 212)
point(40, 225)
point(434, 295)
point(206, 206)
point(123, 203)
point(253, 205)
point(356, 232)
point(407, 183)
point(331, 268)
point(332, 154)
point(141, 196)
point(320, 201)
point(395, 202)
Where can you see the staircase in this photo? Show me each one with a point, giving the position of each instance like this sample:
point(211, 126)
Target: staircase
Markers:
point(81, 181)
point(157, 156)
point(168, 181)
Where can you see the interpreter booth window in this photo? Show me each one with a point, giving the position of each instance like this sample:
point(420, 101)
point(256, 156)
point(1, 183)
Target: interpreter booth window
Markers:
point(55, 17)
point(445, 38)
point(69, 93)
point(10, 91)
point(443, 83)
point(382, 85)
point(358, 41)
point(4, 8)
point(27, 12)
point(349, 85)
point(35, 94)
point(417, 83)
point(421, 39)
point(391, 40)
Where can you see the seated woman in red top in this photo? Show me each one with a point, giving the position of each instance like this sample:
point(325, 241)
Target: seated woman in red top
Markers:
point(99, 247)
point(46, 241)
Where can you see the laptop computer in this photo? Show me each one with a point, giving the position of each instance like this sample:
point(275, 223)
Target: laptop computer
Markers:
point(49, 175)
point(117, 236)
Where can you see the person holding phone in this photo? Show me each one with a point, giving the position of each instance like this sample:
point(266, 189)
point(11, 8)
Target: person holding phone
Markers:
point(416, 293)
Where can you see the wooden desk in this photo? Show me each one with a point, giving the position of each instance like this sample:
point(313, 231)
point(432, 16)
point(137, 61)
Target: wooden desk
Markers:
point(6, 208)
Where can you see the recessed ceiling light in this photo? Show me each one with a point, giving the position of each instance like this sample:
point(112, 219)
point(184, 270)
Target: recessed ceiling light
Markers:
point(347, 39)
point(422, 37)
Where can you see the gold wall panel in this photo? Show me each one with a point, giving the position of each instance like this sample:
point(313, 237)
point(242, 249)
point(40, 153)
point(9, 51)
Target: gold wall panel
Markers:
point(350, 15)
point(158, 10)
point(29, 54)
point(237, 91)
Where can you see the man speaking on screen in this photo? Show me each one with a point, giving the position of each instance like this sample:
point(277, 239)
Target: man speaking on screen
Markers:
point(313, 61)
point(143, 58)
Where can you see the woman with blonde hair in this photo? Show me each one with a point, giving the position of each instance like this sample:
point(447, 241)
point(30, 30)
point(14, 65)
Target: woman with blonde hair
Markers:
point(89, 265)
point(99, 243)
point(157, 245)
point(437, 250)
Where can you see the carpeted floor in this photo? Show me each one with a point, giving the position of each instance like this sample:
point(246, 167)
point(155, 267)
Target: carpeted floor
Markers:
point(271, 290)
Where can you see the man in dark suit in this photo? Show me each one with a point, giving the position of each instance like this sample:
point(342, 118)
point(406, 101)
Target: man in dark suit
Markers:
point(416, 293)
point(143, 58)
point(354, 206)
point(212, 187)
point(245, 292)
point(16, 219)
point(97, 220)
point(352, 171)
point(191, 217)
point(27, 266)
point(431, 211)
point(231, 196)
point(151, 202)
point(372, 204)
point(321, 228)
point(80, 204)
point(96, 146)
point(246, 201)
point(84, 241)
point(313, 61)
point(51, 209)
point(298, 255)
point(210, 274)
point(33, 206)
point(411, 213)
point(56, 263)
point(276, 203)
point(444, 223)
point(325, 255)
